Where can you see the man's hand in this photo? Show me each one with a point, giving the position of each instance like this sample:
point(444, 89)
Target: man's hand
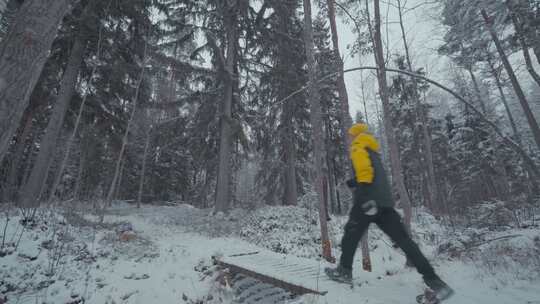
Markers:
point(351, 183)
point(370, 208)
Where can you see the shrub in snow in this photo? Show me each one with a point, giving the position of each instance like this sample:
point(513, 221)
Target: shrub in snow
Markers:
point(288, 230)
point(495, 215)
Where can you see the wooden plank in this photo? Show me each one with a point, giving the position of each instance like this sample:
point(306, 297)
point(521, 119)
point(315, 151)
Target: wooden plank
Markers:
point(283, 266)
point(300, 269)
point(293, 288)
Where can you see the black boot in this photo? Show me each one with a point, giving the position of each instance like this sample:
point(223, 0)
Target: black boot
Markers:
point(441, 289)
point(339, 274)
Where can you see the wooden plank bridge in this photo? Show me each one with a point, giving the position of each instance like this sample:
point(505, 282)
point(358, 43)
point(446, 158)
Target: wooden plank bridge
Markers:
point(295, 275)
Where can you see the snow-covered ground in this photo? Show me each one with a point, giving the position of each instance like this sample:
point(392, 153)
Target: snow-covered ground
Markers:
point(164, 256)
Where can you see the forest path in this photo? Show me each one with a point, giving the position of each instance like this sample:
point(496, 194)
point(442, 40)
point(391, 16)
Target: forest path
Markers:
point(181, 250)
point(169, 261)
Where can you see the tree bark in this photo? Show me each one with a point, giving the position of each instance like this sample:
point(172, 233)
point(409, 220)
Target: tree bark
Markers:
point(23, 54)
point(499, 85)
point(346, 120)
point(345, 116)
point(533, 124)
point(332, 185)
point(291, 188)
point(118, 186)
point(422, 117)
point(477, 90)
point(364, 243)
point(317, 129)
point(395, 161)
point(143, 170)
point(80, 174)
point(31, 191)
point(71, 138)
point(331, 170)
point(223, 191)
point(516, 134)
point(12, 182)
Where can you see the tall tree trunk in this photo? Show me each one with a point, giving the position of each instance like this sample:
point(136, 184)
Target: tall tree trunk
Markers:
point(395, 161)
point(23, 54)
point(71, 139)
point(422, 117)
point(223, 191)
point(499, 85)
point(517, 136)
point(364, 243)
point(518, 26)
point(317, 129)
point(364, 98)
point(331, 170)
point(286, 12)
point(112, 187)
point(116, 195)
point(143, 170)
point(533, 124)
point(346, 121)
point(80, 174)
point(291, 187)
point(12, 183)
point(31, 191)
point(332, 185)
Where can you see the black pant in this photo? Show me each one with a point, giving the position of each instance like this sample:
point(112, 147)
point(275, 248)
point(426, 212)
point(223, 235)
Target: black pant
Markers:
point(390, 223)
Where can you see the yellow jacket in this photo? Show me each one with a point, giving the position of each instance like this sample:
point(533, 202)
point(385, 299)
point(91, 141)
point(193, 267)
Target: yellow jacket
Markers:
point(360, 158)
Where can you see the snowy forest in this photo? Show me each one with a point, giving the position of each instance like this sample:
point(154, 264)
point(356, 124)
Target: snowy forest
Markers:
point(200, 151)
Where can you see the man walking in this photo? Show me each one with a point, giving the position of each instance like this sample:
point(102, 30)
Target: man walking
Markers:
point(373, 203)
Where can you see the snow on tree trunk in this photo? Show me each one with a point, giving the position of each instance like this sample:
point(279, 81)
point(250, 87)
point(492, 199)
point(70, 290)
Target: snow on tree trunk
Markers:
point(533, 124)
point(223, 187)
point(23, 54)
point(31, 191)
point(395, 161)
point(317, 129)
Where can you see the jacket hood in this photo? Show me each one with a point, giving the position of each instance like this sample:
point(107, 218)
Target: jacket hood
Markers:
point(357, 129)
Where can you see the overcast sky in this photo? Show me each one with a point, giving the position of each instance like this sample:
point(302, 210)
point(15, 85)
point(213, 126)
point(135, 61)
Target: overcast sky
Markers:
point(423, 34)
